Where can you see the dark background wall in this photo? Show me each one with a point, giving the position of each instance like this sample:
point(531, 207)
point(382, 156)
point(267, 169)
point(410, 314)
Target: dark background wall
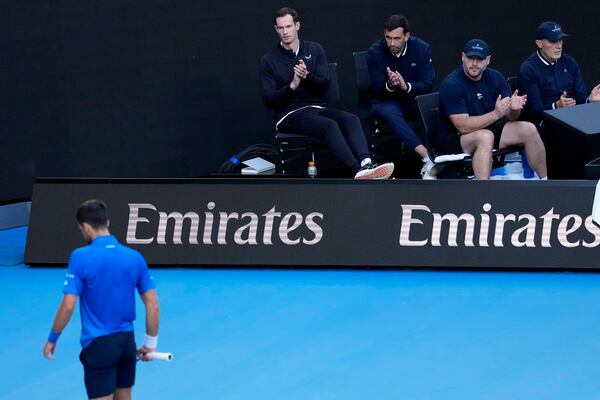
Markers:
point(159, 88)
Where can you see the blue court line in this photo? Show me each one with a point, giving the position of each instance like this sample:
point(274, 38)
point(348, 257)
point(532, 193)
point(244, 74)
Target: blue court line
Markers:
point(285, 334)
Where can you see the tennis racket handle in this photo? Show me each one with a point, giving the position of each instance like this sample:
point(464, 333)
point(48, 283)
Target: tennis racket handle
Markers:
point(155, 355)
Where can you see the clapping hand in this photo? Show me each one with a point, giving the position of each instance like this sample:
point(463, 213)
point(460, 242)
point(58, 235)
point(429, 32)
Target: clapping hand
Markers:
point(595, 93)
point(395, 79)
point(565, 101)
point(502, 106)
point(301, 70)
point(517, 102)
point(300, 73)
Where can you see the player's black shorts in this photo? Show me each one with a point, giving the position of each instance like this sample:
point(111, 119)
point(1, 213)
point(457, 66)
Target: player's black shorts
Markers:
point(109, 363)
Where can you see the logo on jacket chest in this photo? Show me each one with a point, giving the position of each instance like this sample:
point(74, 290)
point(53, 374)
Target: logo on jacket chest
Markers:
point(307, 59)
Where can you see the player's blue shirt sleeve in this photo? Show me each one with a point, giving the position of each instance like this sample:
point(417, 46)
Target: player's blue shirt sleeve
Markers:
point(73, 283)
point(145, 279)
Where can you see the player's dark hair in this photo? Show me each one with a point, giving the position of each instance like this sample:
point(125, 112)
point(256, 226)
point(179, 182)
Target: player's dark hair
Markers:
point(396, 21)
point(94, 213)
point(282, 12)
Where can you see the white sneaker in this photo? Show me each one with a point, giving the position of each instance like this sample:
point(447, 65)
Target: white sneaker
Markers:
point(375, 171)
point(429, 170)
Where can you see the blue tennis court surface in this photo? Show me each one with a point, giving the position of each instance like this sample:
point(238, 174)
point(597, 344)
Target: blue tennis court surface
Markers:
point(285, 334)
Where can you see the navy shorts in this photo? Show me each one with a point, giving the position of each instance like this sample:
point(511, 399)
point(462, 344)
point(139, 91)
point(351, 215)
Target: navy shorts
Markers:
point(496, 129)
point(109, 363)
point(450, 144)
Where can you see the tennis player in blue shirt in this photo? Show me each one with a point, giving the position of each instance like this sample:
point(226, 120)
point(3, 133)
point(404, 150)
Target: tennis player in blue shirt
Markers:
point(478, 113)
point(105, 276)
point(550, 78)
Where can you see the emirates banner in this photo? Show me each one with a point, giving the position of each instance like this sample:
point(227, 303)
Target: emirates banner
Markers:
point(275, 222)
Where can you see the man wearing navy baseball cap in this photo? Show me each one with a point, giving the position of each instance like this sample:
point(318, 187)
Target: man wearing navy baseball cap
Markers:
point(476, 48)
point(550, 78)
point(478, 114)
point(550, 31)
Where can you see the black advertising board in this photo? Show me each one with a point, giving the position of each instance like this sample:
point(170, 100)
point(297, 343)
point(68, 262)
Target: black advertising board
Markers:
point(328, 223)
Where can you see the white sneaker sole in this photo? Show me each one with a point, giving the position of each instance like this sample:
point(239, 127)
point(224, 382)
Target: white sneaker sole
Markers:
point(381, 172)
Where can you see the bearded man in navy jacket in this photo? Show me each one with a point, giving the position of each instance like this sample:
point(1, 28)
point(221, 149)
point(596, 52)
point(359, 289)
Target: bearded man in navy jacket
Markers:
point(400, 68)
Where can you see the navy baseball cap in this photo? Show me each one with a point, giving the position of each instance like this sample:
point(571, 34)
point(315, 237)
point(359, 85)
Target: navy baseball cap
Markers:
point(476, 48)
point(550, 30)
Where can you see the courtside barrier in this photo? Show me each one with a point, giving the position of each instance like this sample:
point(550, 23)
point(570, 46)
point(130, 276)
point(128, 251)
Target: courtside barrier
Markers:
point(327, 223)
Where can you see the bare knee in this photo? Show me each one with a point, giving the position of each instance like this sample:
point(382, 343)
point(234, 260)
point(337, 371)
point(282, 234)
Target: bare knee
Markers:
point(484, 140)
point(531, 131)
point(527, 131)
point(477, 141)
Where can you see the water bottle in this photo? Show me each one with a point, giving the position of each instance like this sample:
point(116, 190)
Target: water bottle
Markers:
point(311, 171)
